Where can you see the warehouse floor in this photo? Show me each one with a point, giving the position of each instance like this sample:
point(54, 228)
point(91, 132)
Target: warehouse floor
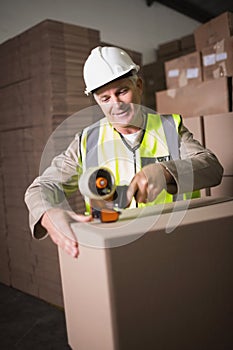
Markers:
point(28, 323)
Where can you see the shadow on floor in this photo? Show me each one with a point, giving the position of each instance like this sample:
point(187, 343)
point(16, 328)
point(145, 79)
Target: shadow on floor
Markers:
point(28, 323)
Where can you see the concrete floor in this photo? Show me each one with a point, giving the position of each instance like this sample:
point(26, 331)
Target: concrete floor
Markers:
point(27, 323)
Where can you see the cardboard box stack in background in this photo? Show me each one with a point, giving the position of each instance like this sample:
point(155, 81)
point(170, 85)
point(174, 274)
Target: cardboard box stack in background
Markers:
point(209, 97)
point(4, 252)
point(209, 93)
point(218, 137)
point(184, 70)
point(154, 75)
point(217, 59)
point(214, 40)
point(41, 85)
point(214, 30)
point(153, 80)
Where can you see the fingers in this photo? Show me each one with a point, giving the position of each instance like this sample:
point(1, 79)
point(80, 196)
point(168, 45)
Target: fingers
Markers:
point(57, 223)
point(138, 188)
point(80, 218)
point(70, 246)
point(147, 184)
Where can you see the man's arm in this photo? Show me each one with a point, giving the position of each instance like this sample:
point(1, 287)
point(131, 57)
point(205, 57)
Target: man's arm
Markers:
point(198, 168)
point(49, 212)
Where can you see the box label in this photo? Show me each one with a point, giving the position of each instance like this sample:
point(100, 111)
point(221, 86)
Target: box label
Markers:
point(209, 60)
point(221, 56)
point(192, 73)
point(173, 73)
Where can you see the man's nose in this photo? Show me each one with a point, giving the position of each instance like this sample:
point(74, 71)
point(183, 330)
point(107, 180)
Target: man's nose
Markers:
point(115, 99)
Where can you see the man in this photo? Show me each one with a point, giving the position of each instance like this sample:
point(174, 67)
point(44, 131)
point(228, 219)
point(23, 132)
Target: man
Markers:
point(153, 157)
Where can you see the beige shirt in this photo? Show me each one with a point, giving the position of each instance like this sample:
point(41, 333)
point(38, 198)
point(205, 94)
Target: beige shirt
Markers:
point(46, 191)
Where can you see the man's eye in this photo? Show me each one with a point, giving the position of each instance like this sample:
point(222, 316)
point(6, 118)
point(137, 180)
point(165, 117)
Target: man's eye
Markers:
point(104, 99)
point(123, 91)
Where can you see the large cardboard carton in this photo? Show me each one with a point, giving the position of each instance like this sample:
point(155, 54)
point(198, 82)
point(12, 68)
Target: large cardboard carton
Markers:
point(187, 42)
point(225, 189)
point(218, 137)
point(184, 70)
point(209, 97)
point(214, 30)
point(41, 85)
point(153, 80)
point(217, 59)
point(195, 126)
point(136, 282)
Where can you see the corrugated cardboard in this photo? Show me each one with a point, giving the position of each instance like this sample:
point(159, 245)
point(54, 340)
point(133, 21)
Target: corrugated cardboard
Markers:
point(187, 42)
point(41, 85)
point(217, 59)
point(184, 70)
point(134, 295)
point(218, 137)
point(210, 97)
point(153, 80)
point(225, 189)
point(214, 30)
point(195, 126)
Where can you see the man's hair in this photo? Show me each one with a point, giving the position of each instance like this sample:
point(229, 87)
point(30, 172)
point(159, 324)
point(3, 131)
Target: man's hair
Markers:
point(134, 78)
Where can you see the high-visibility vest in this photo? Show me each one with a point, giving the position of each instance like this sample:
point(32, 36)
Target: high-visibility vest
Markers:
point(102, 145)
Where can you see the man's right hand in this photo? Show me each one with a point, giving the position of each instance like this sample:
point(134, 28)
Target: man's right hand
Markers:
point(57, 223)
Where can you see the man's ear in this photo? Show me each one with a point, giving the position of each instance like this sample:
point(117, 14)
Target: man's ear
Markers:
point(139, 84)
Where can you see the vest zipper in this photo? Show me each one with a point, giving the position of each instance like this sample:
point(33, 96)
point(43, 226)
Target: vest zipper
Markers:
point(135, 166)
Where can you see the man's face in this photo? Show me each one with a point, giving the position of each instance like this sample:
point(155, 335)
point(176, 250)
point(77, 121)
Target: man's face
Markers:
point(120, 102)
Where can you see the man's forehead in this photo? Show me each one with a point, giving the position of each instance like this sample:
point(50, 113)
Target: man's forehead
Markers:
point(117, 84)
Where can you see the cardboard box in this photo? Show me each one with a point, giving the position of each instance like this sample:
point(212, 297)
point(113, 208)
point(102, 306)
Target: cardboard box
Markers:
point(134, 283)
point(218, 138)
point(187, 42)
point(195, 126)
point(153, 80)
point(217, 59)
point(225, 189)
point(214, 30)
point(209, 97)
point(184, 70)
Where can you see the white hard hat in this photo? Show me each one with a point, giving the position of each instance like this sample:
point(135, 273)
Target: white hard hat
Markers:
point(104, 65)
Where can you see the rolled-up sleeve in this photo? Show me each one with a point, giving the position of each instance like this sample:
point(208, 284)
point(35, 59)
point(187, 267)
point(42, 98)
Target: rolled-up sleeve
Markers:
point(197, 167)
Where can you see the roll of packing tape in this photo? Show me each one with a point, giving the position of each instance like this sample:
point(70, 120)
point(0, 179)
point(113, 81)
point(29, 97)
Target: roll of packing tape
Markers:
point(97, 183)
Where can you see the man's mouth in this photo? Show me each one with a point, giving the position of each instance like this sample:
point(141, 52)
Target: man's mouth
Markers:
point(121, 113)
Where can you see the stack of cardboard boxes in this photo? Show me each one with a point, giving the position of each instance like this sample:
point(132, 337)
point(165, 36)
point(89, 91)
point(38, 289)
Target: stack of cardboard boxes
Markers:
point(199, 87)
point(41, 85)
point(42, 98)
point(154, 76)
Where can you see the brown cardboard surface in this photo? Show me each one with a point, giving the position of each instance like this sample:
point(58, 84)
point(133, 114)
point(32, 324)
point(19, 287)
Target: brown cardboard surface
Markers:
point(153, 80)
point(183, 70)
point(217, 59)
point(169, 47)
point(132, 296)
point(218, 138)
point(41, 85)
point(194, 124)
point(187, 42)
point(225, 189)
point(210, 97)
point(214, 30)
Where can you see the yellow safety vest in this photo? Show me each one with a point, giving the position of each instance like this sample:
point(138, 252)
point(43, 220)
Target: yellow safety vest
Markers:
point(102, 145)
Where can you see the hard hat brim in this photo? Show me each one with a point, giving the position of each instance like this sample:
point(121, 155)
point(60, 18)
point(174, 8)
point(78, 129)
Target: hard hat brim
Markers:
point(124, 75)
